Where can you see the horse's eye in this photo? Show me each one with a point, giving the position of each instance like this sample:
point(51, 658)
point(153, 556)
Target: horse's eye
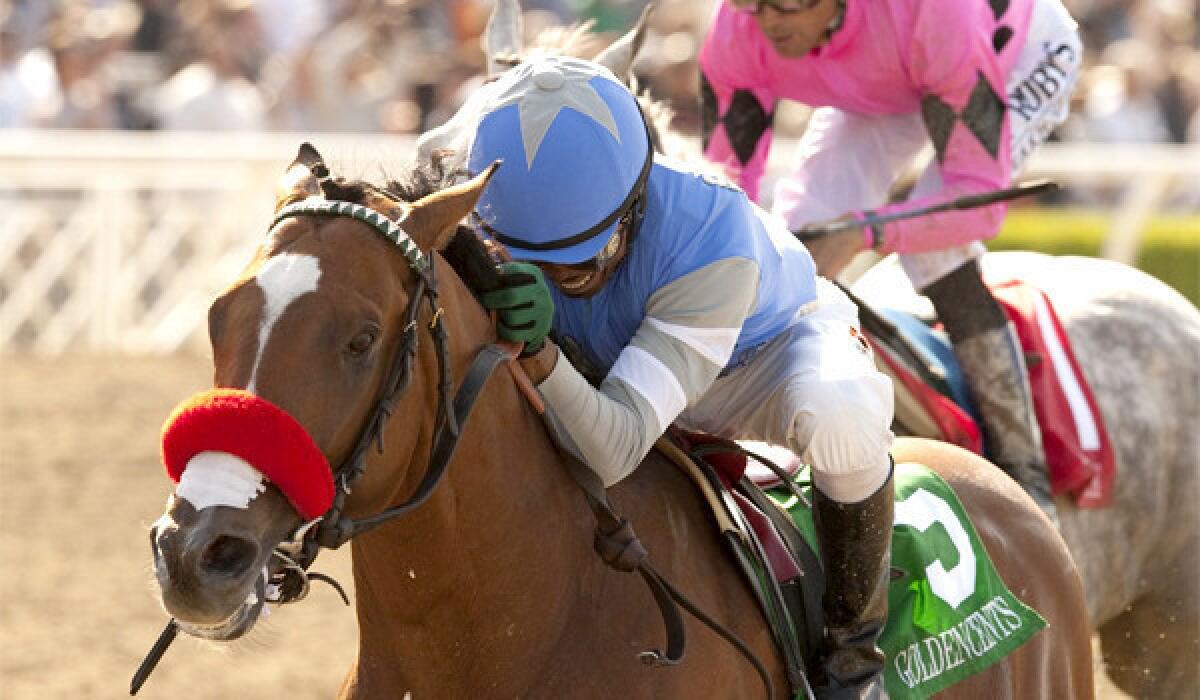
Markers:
point(362, 341)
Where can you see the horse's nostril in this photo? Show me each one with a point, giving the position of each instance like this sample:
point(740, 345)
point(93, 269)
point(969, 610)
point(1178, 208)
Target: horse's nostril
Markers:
point(228, 555)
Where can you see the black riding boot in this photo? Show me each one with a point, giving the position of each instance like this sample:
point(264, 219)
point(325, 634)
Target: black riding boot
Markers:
point(993, 365)
point(855, 542)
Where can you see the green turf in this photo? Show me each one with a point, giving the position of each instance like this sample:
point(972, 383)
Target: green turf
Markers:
point(1170, 246)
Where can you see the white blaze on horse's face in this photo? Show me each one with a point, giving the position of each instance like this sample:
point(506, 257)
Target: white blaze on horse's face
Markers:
point(219, 479)
point(283, 279)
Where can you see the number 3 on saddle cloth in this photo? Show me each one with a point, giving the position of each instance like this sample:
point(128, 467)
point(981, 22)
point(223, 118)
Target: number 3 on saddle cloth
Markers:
point(932, 399)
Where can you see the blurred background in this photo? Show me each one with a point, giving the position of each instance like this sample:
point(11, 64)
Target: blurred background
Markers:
point(402, 66)
point(139, 144)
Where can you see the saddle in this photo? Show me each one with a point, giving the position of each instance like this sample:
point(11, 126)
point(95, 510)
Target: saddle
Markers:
point(780, 566)
point(932, 399)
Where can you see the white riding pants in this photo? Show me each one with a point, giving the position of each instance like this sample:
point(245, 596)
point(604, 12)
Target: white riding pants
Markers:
point(815, 390)
point(847, 162)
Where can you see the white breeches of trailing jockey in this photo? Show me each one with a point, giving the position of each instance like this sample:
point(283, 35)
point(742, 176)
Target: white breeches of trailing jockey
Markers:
point(873, 151)
point(814, 389)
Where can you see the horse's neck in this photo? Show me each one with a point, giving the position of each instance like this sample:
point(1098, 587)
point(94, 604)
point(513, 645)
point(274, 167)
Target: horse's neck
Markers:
point(486, 567)
point(480, 575)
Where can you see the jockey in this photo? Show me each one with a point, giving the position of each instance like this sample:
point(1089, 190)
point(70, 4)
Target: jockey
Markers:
point(890, 78)
point(695, 306)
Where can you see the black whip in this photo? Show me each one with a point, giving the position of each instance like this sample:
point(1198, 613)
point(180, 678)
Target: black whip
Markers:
point(1025, 189)
point(153, 656)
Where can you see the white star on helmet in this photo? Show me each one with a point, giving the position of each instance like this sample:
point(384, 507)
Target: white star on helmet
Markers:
point(540, 90)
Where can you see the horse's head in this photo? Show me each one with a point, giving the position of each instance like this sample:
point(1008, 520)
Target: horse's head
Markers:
point(323, 337)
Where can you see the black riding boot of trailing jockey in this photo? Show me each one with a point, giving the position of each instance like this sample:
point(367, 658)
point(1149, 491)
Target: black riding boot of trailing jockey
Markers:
point(993, 364)
point(855, 540)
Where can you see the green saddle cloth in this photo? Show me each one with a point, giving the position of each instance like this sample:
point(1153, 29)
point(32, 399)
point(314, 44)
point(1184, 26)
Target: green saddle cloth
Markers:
point(949, 614)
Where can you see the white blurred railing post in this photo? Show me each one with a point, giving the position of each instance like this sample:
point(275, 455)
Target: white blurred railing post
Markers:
point(1137, 207)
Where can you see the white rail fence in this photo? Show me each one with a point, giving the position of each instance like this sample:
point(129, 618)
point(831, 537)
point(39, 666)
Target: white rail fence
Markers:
point(117, 242)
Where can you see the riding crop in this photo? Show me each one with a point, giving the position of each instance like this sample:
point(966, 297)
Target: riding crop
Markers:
point(1026, 189)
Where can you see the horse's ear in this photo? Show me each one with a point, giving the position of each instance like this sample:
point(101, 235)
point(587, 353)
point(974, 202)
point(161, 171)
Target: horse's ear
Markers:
point(503, 38)
point(308, 155)
point(300, 182)
point(618, 57)
point(433, 220)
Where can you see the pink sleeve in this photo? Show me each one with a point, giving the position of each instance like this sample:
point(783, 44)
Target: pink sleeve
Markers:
point(729, 69)
point(965, 113)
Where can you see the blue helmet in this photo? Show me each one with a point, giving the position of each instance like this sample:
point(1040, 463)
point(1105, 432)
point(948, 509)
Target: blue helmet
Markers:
point(576, 155)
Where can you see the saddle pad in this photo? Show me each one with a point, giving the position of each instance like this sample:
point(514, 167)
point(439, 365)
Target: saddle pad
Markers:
point(1078, 451)
point(949, 614)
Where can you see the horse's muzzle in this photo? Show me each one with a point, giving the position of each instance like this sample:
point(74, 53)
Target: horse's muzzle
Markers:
point(209, 574)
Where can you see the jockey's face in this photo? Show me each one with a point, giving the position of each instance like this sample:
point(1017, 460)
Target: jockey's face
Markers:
point(794, 27)
point(588, 277)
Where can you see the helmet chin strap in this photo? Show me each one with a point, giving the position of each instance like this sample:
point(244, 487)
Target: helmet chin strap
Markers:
point(635, 221)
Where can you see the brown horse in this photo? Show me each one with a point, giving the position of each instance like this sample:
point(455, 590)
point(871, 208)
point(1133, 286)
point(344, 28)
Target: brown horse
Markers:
point(490, 588)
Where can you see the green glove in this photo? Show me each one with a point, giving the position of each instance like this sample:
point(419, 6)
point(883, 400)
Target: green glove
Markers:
point(523, 305)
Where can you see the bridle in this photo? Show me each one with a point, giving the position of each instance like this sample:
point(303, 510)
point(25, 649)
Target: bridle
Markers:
point(334, 528)
point(615, 540)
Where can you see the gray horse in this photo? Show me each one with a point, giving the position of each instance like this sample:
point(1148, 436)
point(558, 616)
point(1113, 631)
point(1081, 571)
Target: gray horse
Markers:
point(1138, 342)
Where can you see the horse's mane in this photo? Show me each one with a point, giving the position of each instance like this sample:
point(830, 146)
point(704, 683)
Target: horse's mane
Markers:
point(466, 252)
point(577, 39)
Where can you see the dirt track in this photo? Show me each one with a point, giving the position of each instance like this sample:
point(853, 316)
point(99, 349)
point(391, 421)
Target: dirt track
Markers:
point(81, 483)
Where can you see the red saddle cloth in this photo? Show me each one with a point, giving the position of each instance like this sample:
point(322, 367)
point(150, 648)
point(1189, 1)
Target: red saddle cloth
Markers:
point(953, 423)
point(1078, 451)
